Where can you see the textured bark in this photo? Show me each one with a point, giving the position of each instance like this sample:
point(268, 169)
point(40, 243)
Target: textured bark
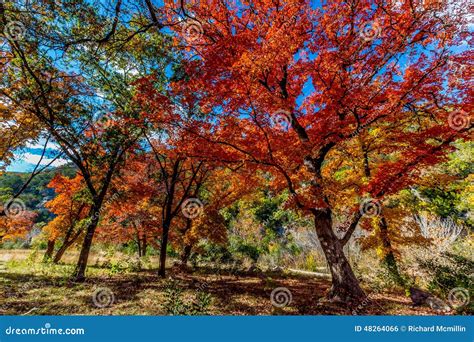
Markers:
point(80, 270)
point(61, 250)
point(185, 255)
point(68, 242)
point(345, 286)
point(163, 247)
point(139, 247)
point(144, 245)
point(49, 250)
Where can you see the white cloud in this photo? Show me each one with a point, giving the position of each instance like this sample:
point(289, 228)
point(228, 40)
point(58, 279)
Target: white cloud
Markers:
point(40, 144)
point(34, 159)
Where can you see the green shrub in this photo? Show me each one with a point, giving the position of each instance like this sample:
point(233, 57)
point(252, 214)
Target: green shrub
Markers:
point(449, 272)
point(14, 244)
point(134, 265)
point(117, 266)
point(310, 263)
point(200, 306)
point(211, 252)
point(175, 304)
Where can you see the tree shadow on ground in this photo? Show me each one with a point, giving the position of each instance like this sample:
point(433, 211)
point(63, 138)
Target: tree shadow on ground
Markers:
point(238, 293)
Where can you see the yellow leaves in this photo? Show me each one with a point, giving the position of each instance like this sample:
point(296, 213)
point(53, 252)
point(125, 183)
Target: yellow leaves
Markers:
point(66, 205)
point(375, 132)
point(209, 225)
point(66, 189)
point(273, 247)
point(55, 227)
point(468, 195)
point(16, 128)
point(380, 252)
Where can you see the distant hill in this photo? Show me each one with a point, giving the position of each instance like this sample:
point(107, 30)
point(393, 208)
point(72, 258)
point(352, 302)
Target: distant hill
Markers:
point(37, 193)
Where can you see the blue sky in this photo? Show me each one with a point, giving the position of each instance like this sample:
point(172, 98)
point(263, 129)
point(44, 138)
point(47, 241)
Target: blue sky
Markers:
point(27, 158)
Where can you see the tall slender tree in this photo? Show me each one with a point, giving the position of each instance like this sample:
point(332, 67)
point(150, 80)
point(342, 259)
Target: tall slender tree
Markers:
point(74, 77)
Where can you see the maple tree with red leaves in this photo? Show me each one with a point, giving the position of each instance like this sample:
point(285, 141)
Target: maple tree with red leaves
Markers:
point(70, 207)
point(132, 215)
point(282, 86)
point(173, 114)
point(17, 223)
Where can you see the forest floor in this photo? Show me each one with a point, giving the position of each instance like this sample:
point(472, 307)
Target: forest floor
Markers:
point(29, 287)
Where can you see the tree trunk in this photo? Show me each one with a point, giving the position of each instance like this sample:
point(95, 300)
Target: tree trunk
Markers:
point(61, 250)
point(185, 255)
point(163, 247)
point(144, 245)
point(187, 248)
point(60, 253)
point(389, 257)
point(345, 286)
point(68, 242)
point(139, 245)
point(49, 250)
point(80, 270)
